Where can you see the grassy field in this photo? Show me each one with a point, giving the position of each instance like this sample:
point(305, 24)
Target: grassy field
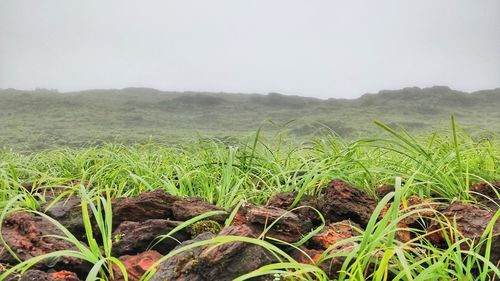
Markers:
point(252, 169)
point(36, 120)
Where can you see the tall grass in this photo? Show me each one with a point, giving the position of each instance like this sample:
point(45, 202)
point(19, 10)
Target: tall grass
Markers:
point(439, 165)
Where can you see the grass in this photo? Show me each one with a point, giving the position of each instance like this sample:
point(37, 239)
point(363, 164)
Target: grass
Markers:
point(435, 166)
point(37, 120)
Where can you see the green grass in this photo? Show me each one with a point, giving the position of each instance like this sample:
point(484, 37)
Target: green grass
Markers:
point(37, 120)
point(252, 170)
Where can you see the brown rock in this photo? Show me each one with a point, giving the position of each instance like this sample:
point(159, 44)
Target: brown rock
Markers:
point(38, 275)
point(224, 262)
point(424, 212)
point(136, 265)
point(383, 190)
point(26, 234)
point(471, 221)
point(149, 205)
point(289, 228)
point(136, 237)
point(188, 208)
point(160, 205)
point(285, 200)
point(342, 201)
point(63, 276)
point(334, 233)
point(487, 194)
point(68, 212)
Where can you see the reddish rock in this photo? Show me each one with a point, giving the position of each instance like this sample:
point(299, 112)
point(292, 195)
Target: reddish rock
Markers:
point(342, 201)
point(471, 221)
point(424, 211)
point(38, 275)
point(135, 237)
point(289, 228)
point(188, 208)
point(285, 200)
point(487, 194)
point(222, 263)
point(329, 236)
point(64, 276)
point(334, 233)
point(149, 205)
point(68, 212)
point(27, 236)
point(136, 265)
point(383, 190)
point(160, 205)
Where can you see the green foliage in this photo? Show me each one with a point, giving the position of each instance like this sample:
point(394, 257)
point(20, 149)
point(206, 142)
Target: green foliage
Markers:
point(36, 120)
point(252, 170)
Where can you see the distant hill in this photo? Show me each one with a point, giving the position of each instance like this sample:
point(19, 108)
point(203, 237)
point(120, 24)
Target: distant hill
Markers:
point(44, 118)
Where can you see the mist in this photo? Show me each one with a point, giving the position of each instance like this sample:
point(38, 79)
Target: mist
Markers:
point(323, 49)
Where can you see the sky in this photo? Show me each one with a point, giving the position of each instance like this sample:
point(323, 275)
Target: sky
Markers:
point(320, 48)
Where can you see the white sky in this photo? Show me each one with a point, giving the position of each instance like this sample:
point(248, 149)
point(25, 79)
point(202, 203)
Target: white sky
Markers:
point(313, 48)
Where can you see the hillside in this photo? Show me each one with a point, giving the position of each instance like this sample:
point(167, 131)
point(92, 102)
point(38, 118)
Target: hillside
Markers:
point(33, 120)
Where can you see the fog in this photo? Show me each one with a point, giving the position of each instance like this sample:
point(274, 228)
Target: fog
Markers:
point(310, 48)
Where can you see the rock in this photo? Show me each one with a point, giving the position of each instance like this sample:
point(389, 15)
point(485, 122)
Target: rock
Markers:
point(178, 266)
point(285, 200)
point(188, 208)
point(38, 275)
point(136, 265)
point(149, 205)
point(222, 263)
point(160, 205)
point(64, 276)
point(424, 212)
point(35, 275)
point(289, 228)
point(487, 194)
point(68, 212)
point(26, 234)
point(341, 201)
point(329, 236)
point(312, 256)
point(136, 237)
point(334, 233)
point(383, 190)
point(471, 222)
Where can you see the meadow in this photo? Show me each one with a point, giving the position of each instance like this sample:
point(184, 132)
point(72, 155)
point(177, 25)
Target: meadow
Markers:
point(42, 119)
point(234, 182)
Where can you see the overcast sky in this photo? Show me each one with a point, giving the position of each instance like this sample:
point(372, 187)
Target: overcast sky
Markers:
point(312, 48)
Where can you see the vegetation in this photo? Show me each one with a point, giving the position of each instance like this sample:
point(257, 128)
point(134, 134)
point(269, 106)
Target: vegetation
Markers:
point(436, 166)
point(36, 120)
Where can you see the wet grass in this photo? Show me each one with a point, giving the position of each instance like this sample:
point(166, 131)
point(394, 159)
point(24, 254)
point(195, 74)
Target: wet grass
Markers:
point(434, 166)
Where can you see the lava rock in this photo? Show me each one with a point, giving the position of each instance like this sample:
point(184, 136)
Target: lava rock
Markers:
point(285, 200)
point(188, 208)
point(224, 262)
point(136, 265)
point(68, 212)
point(28, 236)
point(342, 201)
point(383, 190)
point(487, 194)
point(471, 221)
point(149, 205)
point(288, 227)
point(334, 233)
point(135, 237)
point(423, 211)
